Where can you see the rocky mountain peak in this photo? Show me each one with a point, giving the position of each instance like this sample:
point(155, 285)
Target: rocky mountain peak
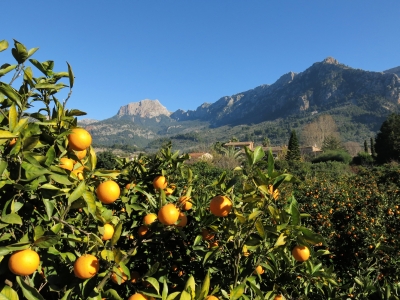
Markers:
point(145, 109)
point(330, 60)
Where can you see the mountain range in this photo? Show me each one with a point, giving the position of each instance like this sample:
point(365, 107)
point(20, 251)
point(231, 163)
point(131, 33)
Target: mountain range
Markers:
point(358, 100)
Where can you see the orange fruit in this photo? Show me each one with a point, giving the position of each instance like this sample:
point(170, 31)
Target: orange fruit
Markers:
point(79, 139)
point(220, 206)
point(279, 297)
point(130, 185)
point(114, 277)
point(86, 266)
point(24, 262)
point(137, 296)
point(12, 142)
point(301, 253)
point(207, 235)
point(79, 172)
point(108, 232)
point(182, 220)
point(142, 231)
point(66, 163)
point(272, 192)
point(81, 154)
point(108, 191)
point(213, 244)
point(212, 298)
point(168, 214)
point(160, 182)
point(135, 276)
point(168, 191)
point(258, 270)
point(185, 203)
point(149, 218)
point(174, 268)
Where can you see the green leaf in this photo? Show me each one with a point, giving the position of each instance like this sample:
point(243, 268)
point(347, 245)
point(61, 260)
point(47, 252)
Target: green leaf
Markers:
point(254, 215)
point(90, 201)
point(173, 295)
point(205, 287)
point(260, 229)
point(20, 52)
point(5, 134)
point(47, 241)
point(11, 93)
point(258, 154)
point(12, 117)
point(249, 155)
point(71, 76)
point(112, 295)
point(152, 270)
point(164, 294)
point(11, 219)
point(255, 289)
point(21, 124)
point(62, 179)
point(154, 283)
point(4, 69)
point(237, 292)
point(29, 292)
point(32, 172)
point(185, 296)
point(38, 65)
point(117, 234)
point(3, 45)
point(32, 51)
point(190, 286)
point(311, 237)
point(281, 240)
point(77, 193)
point(7, 293)
point(75, 112)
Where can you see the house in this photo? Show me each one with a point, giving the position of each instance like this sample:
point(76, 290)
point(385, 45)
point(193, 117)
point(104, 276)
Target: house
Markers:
point(310, 150)
point(199, 156)
point(239, 145)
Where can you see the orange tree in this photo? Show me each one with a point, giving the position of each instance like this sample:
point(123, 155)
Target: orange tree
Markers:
point(72, 231)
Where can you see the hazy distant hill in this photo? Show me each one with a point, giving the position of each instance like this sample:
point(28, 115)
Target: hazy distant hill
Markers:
point(358, 100)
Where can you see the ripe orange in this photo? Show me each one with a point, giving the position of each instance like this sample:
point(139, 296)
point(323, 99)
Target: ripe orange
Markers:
point(272, 192)
point(207, 235)
point(108, 191)
point(301, 253)
point(213, 244)
point(79, 139)
point(135, 276)
point(24, 262)
point(108, 232)
point(258, 270)
point(168, 214)
point(114, 277)
point(12, 142)
point(174, 268)
point(137, 296)
point(185, 203)
point(149, 218)
point(279, 297)
point(86, 266)
point(168, 191)
point(79, 172)
point(130, 186)
point(142, 231)
point(160, 182)
point(81, 154)
point(212, 298)
point(66, 163)
point(220, 206)
point(182, 220)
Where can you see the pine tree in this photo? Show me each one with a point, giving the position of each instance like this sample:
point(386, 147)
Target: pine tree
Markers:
point(387, 142)
point(293, 153)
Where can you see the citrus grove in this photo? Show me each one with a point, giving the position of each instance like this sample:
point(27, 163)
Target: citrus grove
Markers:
point(150, 229)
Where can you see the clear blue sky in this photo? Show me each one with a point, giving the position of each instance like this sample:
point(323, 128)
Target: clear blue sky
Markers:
point(187, 52)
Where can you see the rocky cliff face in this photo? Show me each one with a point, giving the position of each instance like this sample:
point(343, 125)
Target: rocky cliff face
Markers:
point(394, 71)
point(144, 109)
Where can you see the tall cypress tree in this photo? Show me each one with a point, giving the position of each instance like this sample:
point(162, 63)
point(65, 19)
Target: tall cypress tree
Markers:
point(373, 153)
point(293, 153)
point(365, 146)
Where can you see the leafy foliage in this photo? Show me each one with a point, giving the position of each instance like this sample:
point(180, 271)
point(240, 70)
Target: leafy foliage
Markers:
point(387, 145)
